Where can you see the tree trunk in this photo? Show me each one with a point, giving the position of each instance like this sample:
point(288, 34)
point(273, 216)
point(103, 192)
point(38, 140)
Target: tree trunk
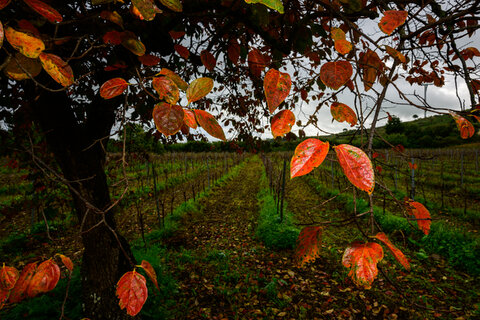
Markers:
point(81, 157)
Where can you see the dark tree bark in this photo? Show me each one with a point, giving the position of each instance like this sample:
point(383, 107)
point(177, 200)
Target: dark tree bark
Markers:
point(81, 157)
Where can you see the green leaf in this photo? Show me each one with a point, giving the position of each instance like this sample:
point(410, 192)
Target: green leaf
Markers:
point(272, 4)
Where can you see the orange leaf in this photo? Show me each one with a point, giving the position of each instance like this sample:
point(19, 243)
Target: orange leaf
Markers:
point(208, 60)
point(394, 250)
point(166, 89)
point(371, 66)
point(337, 34)
point(421, 214)
point(465, 127)
point(182, 51)
point(233, 52)
point(277, 87)
point(4, 3)
point(357, 167)
point(174, 5)
point(8, 277)
point(341, 112)
point(19, 292)
point(336, 74)
point(27, 44)
point(58, 69)
point(308, 155)
point(130, 42)
point(343, 46)
point(199, 88)
point(112, 17)
point(172, 75)
point(256, 62)
point(282, 123)
point(413, 166)
point(14, 71)
point(4, 294)
point(176, 34)
point(391, 20)
point(44, 10)
point(150, 272)
point(147, 8)
point(45, 279)
point(113, 87)
point(395, 54)
point(362, 259)
point(67, 262)
point(308, 246)
point(189, 118)
point(2, 34)
point(209, 124)
point(113, 37)
point(132, 292)
point(168, 118)
point(149, 60)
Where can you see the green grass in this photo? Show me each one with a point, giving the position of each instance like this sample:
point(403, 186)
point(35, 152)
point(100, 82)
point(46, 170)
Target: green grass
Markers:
point(274, 233)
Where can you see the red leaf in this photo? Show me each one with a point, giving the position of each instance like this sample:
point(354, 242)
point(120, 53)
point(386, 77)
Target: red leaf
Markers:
point(341, 112)
point(3, 297)
point(399, 148)
point(27, 44)
point(168, 118)
point(256, 62)
point(199, 88)
point(466, 129)
point(233, 52)
point(67, 262)
point(19, 292)
point(357, 167)
point(112, 37)
point(391, 20)
point(208, 60)
point(149, 60)
point(421, 214)
point(371, 67)
point(45, 279)
point(362, 259)
point(336, 74)
point(176, 34)
point(379, 169)
point(172, 75)
point(113, 87)
point(282, 123)
point(58, 69)
point(182, 51)
point(132, 292)
point(4, 3)
point(413, 166)
point(209, 124)
point(150, 272)
point(116, 66)
point(44, 10)
point(189, 118)
point(277, 87)
point(166, 89)
point(26, 25)
point(8, 277)
point(308, 155)
point(394, 250)
point(308, 246)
